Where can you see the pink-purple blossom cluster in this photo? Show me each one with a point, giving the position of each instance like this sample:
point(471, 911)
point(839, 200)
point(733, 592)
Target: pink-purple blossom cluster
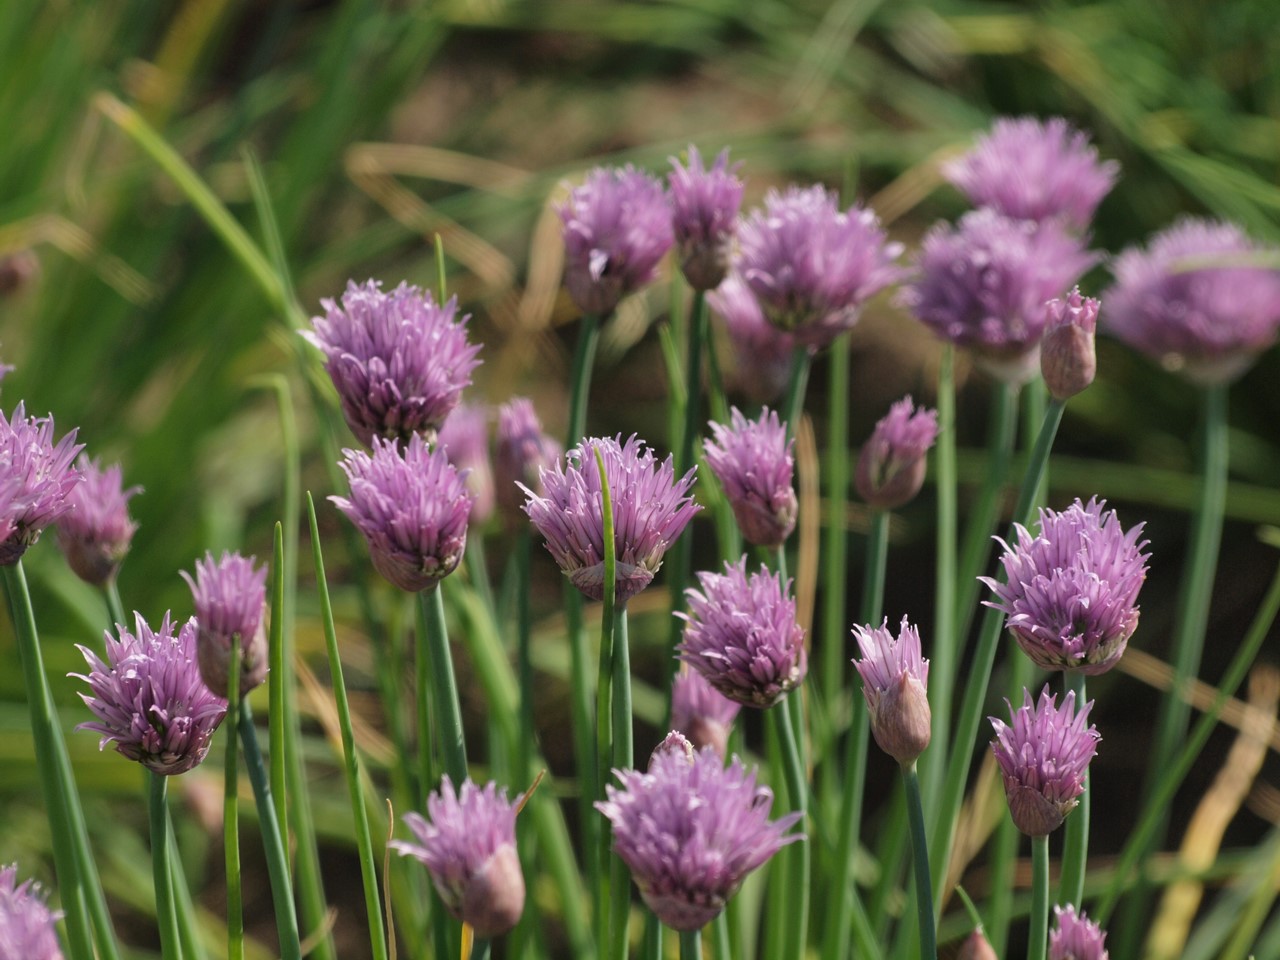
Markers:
point(754, 463)
point(522, 452)
point(229, 595)
point(691, 831)
point(701, 712)
point(1076, 937)
point(36, 480)
point(464, 437)
point(891, 465)
point(28, 928)
point(650, 510)
point(95, 534)
point(895, 684)
point(704, 208)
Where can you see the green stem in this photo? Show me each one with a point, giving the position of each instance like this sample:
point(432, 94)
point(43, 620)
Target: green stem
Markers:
point(427, 772)
point(690, 945)
point(849, 918)
point(793, 405)
point(623, 759)
point(184, 906)
point(798, 794)
point(480, 948)
point(231, 815)
point(434, 642)
point(719, 405)
point(478, 570)
point(583, 361)
point(111, 592)
point(920, 857)
point(57, 786)
point(170, 947)
point(364, 842)
point(720, 937)
point(1153, 813)
point(935, 760)
point(1038, 943)
point(524, 656)
point(981, 524)
point(272, 840)
point(835, 546)
point(276, 679)
point(651, 942)
point(1075, 844)
point(975, 693)
point(1004, 857)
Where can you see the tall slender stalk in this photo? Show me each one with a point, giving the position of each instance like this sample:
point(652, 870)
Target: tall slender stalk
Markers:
point(231, 814)
point(1075, 844)
point(56, 784)
point(433, 642)
point(920, 866)
point(272, 839)
point(364, 841)
point(720, 947)
point(848, 917)
point(980, 672)
point(1004, 855)
point(690, 945)
point(835, 546)
point(1038, 942)
point(170, 947)
point(276, 679)
point(111, 592)
point(798, 794)
point(623, 759)
point(797, 382)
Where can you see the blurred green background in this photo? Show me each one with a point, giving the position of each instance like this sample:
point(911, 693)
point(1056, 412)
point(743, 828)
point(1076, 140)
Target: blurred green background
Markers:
point(378, 125)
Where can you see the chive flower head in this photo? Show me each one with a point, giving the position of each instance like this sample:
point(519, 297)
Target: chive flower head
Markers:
point(464, 437)
point(812, 265)
point(754, 462)
point(149, 697)
point(741, 634)
point(701, 712)
point(95, 534)
point(230, 596)
point(36, 480)
point(412, 507)
point(1192, 301)
point(1043, 754)
point(523, 451)
point(28, 928)
point(1068, 357)
point(1030, 169)
point(1072, 590)
point(760, 352)
point(399, 360)
point(1076, 937)
point(650, 510)
point(895, 684)
point(690, 833)
point(616, 229)
point(891, 465)
point(468, 845)
point(704, 206)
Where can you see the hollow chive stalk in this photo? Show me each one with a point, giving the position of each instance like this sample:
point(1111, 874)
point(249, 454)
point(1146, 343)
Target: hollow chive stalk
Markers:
point(720, 945)
point(690, 945)
point(848, 918)
point(170, 947)
point(934, 761)
point(364, 841)
point(798, 793)
point(623, 759)
point(433, 645)
point(1038, 942)
point(1190, 623)
point(1075, 843)
point(272, 839)
point(584, 746)
point(231, 814)
point(1004, 855)
point(975, 694)
point(920, 864)
point(56, 784)
point(797, 383)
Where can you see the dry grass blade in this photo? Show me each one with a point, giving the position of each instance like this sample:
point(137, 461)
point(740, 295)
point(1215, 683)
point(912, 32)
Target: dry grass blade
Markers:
point(978, 819)
point(809, 472)
point(1219, 805)
point(368, 741)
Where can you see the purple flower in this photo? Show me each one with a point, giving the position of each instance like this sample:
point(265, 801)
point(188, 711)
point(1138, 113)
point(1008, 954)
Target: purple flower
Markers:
point(28, 928)
point(704, 206)
point(650, 510)
point(1072, 591)
point(1076, 937)
point(96, 533)
point(36, 480)
point(464, 438)
point(469, 847)
point(701, 712)
point(1033, 170)
point(753, 461)
point(1192, 302)
point(412, 508)
point(891, 464)
point(812, 266)
point(399, 360)
point(895, 683)
point(230, 596)
point(674, 742)
point(741, 635)
point(983, 284)
point(761, 352)
point(523, 452)
point(690, 833)
point(149, 698)
point(617, 227)
point(1043, 756)
point(1068, 359)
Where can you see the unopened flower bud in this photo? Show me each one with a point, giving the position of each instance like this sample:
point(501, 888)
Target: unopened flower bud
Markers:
point(976, 947)
point(1068, 359)
point(229, 597)
point(894, 683)
point(891, 466)
point(674, 742)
